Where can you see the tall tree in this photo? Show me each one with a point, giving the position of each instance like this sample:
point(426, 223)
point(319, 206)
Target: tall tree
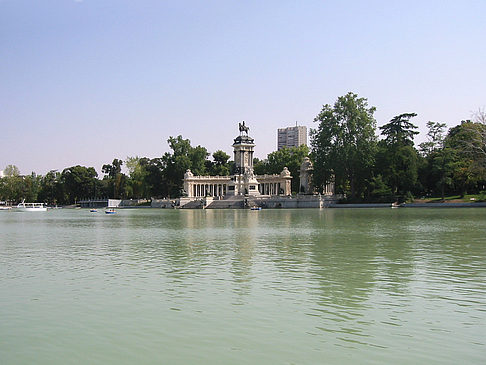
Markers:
point(79, 182)
point(344, 144)
point(290, 157)
point(183, 157)
point(220, 165)
point(397, 158)
point(136, 186)
point(466, 140)
point(114, 178)
point(51, 188)
point(11, 185)
point(399, 131)
point(435, 138)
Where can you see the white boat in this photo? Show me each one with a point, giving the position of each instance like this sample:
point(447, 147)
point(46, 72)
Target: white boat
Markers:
point(31, 207)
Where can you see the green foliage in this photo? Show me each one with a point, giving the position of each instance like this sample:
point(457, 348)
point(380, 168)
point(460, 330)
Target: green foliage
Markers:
point(220, 165)
point(114, 181)
point(182, 158)
point(380, 192)
point(398, 165)
point(79, 182)
point(344, 144)
point(435, 138)
point(290, 157)
point(344, 149)
point(14, 187)
point(467, 142)
point(399, 131)
point(397, 158)
point(51, 188)
point(11, 170)
point(259, 166)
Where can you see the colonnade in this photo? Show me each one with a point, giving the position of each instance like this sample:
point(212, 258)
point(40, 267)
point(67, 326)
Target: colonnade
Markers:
point(202, 190)
point(329, 189)
point(269, 188)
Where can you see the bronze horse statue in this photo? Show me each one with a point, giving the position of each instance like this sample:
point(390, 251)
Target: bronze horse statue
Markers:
point(243, 128)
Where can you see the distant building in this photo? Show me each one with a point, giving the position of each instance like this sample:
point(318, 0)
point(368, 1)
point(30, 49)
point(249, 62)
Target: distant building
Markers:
point(1, 174)
point(291, 137)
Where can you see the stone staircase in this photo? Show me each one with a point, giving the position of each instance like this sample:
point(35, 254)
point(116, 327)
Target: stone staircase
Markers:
point(194, 204)
point(234, 202)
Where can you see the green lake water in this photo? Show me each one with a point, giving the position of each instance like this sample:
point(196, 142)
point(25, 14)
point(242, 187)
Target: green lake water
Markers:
point(330, 286)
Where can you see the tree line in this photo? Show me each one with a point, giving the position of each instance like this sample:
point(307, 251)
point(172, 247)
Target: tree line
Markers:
point(366, 163)
point(346, 149)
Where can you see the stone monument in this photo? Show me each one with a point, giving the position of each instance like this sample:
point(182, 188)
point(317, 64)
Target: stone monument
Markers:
point(306, 170)
point(243, 181)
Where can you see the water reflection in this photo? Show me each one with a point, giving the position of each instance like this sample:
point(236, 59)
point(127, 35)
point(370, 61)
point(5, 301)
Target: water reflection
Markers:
point(370, 284)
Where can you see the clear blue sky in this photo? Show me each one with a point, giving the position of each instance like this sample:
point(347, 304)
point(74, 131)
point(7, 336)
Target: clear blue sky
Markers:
point(84, 82)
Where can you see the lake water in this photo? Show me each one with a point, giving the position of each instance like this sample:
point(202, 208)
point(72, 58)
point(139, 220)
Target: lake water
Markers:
point(337, 286)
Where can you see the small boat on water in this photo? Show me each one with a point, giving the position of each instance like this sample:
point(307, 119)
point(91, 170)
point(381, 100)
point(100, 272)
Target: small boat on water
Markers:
point(31, 207)
point(93, 210)
point(4, 206)
point(256, 208)
point(110, 211)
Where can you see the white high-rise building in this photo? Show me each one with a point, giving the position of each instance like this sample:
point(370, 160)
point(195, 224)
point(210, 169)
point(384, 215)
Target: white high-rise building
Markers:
point(291, 137)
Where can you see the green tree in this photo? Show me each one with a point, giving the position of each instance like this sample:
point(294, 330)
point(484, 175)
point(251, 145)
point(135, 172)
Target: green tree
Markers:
point(183, 157)
point(344, 145)
point(115, 180)
point(79, 182)
point(290, 157)
point(260, 166)
point(399, 131)
point(435, 138)
point(220, 165)
point(397, 159)
point(470, 166)
point(11, 170)
point(136, 186)
point(51, 188)
point(11, 185)
point(441, 160)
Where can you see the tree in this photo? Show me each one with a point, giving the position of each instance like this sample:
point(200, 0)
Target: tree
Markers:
point(475, 133)
point(344, 144)
point(183, 157)
point(466, 140)
point(79, 182)
point(16, 188)
point(220, 165)
point(397, 159)
point(51, 188)
point(11, 185)
point(259, 166)
point(114, 179)
point(399, 131)
point(440, 160)
point(155, 179)
point(290, 157)
point(435, 138)
point(11, 170)
point(136, 186)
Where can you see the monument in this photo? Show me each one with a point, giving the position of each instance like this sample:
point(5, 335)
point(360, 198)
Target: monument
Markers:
point(243, 182)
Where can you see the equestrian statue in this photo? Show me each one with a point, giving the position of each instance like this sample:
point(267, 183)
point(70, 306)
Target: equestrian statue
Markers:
point(243, 128)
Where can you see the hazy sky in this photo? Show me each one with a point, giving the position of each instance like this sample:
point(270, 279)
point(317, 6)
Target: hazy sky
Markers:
point(84, 82)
